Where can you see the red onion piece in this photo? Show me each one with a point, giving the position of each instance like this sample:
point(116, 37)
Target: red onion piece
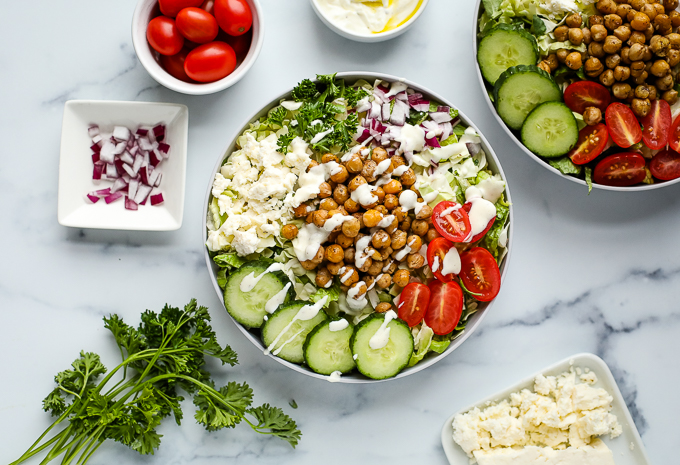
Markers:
point(139, 160)
point(474, 149)
point(132, 188)
point(440, 117)
point(158, 180)
point(118, 163)
point(93, 130)
point(159, 132)
point(157, 199)
point(111, 171)
point(92, 198)
point(121, 133)
point(118, 184)
point(163, 147)
point(103, 192)
point(95, 157)
point(432, 141)
point(145, 144)
point(142, 193)
point(120, 148)
point(144, 175)
point(113, 197)
point(97, 171)
point(107, 151)
point(95, 148)
point(130, 172)
point(142, 132)
point(97, 140)
point(130, 204)
point(127, 158)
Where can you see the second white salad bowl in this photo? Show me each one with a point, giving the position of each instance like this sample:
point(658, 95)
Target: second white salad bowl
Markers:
point(474, 320)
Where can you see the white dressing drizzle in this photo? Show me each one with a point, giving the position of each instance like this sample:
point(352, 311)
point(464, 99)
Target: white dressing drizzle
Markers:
point(408, 199)
point(435, 264)
point(250, 281)
point(361, 256)
point(399, 170)
point(304, 314)
point(386, 221)
point(352, 300)
point(431, 196)
point(451, 262)
point(382, 167)
point(363, 194)
point(335, 377)
point(403, 252)
point(338, 325)
point(278, 298)
point(382, 335)
point(481, 212)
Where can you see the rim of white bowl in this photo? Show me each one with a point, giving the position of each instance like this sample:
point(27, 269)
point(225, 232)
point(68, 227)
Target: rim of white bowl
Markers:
point(145, 56)
point(536, 158)
point(379, 37)
point(475, 320)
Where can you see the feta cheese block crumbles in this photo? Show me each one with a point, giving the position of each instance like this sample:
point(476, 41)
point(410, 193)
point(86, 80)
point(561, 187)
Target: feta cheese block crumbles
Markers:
point(562, 414)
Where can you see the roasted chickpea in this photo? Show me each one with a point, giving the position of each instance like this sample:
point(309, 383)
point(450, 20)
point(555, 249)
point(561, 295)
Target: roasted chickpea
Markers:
point(652, 92)
point(368, 171)
point(595, 50)
point(671, 96)
point(637, 4)
point(552, 61)
point(309, 265)
point(379, 154)
point(649, 32)
point(383, 307)
point(401, 278)
point(640, 22)
point(394, 225)
point(621, 90)
point(414, 242)
point(637, 37)
point(391, 201)
point(310, 218)
point(641, 79)
point(392, 187)
point(419, 227)
point(607, 78)
point(376, 268)
point(328, 157)
point(385, 252)
point(587, 36)
point(351, 206)
point(623, 9)
point(334, 253)
point(334, 268)
point(662, 22)
point(320, 217)
point(670, 4)
point(312, 164)
point(642, 91)
point(369, 280)
point(374, 253)
point(340, 194)
point(561, 33)
point(341, 176)
point(365, 261)
point(350, 228)
point(432, 234)
point(636, 52)
point(348, 275)
point(398, 239)
point(665, 83)
point(595, 20)
point(621, 73)
point(424, 213)
point(399, 213)
point(576, 36)
point(660, 68)
point(574, 20)
point(606, 6)
point(328, 204)
point(649, 10)
point(408, 178)
point(355, 183)
point(383, 281)
point(674, 40)
point(612, 21)
point(612, 44)
point(673, 57)
point(415, 261)
point(323, 277)
point(372, 218)
point(637, 68)
point(344, 240)
point(406, 224)
point(325, 190)
point(598, 33)
point(623, 32)
point(301, 210)
point(641, 107)
point(659, 8)
point(612, 61)
point(574, 60)
point(660, 46)
point(381, 239)
point(354, 164)
point(592, 116)
point(358, 289)
point(289, 231)
point(675, 18)
point(593, 67)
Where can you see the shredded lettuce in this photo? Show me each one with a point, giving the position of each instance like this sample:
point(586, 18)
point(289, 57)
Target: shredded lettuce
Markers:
point(589, 178)
point(229, 260)
point(565, 166)
point(490, 240)
point(439, 344)
point(332, 292)
point(222, 277)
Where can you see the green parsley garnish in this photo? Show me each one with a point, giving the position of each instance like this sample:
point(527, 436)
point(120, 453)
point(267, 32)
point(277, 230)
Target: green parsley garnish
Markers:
point(164, 356)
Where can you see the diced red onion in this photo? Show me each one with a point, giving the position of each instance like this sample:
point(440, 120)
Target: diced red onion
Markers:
point(163, 147)
point(376, 110)
point(157, 199)
point(103, 192)
point(113, 197)
point(97, 171)
point(111, 171)
point(159, 131)
point(139, 160)
point(145, 159)
point(432, 141)
point(118, 163)
point(97, 140)
point(121, 133)
point(455, 122)
point(130, 172)
point(158, 180)
point(133, 151)
point(443, 108)
point(142, 193)
point(144, 175)
point(385, 114)
point(93, 130)
point(145, 144)
point(120, 148)
point(118, 184)
point(155, 158)
point(447, 130)
point(365, 135)
point(95, 148)
point(132, 188)
point(92, 198)
point(127, 158)
point(142, 132)
point(415, 98)
point(473, 148)
point(107, 151)
point(440, 117)
point(130, 204)
point(95, 157)
point(402, 96)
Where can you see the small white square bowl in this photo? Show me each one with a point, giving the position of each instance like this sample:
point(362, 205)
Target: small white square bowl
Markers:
point(75, 166)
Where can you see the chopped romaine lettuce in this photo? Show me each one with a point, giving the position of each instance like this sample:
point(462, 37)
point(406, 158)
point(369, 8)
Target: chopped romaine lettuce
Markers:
point(589, 178)
point(333, 294)
point(228, 260)
point(490, 240)
point(565, 165)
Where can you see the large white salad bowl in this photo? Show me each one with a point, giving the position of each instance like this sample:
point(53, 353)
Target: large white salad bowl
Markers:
point(475, 43)
point(473, 322)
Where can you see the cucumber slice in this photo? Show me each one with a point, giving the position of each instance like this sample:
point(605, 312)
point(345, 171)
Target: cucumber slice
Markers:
point(387, 361)
point(285, 336)
point(327, 351)
point(521, 89)
point(248, 307)
point(550, 130)
point(503, 47)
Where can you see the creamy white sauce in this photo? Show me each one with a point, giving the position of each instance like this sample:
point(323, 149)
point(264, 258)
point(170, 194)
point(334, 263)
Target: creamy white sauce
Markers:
point(309, 184)
point(278, 298)
point(419, 206)
point(387, 266)
point(306, 313)
point(382, 335)
point(399, 170)
point(481, 212)
point(335, 221)
point(335, 377)
point(403, 252)
point(306, 244)
point(430, 197)
point(250, 281)
point(451, 262)
point(435, 264)
point(382, 167)
point(338, 325)
point(386, 221)
point(408, 199)
point(363, 194)
point(354, 302)
point(360, 255)
point(411, 138)
point(286, 342)
point(492, 188)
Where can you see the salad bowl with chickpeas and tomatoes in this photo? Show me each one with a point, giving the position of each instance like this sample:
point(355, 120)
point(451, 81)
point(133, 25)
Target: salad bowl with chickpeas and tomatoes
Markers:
point(589, 88)
point(358, 227)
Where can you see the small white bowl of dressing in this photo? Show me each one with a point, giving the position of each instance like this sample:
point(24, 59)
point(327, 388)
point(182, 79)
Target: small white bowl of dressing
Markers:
point(369, 21)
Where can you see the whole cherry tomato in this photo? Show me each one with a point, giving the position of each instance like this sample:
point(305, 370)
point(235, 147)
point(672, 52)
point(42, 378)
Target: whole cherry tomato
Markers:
point(233, 16)
point(172, 7)
point(446, 307)
point(210, 62)
point(174, 65)
point(197, 25)
point(163, 36)
point(240, 44)
point(413, 302)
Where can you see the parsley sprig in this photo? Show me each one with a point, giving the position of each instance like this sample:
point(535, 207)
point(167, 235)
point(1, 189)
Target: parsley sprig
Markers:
point(164, 356)
point(321, 113)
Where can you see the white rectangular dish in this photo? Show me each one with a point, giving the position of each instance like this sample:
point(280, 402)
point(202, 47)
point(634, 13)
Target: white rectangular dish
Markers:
point(628, 448)
point(75, 165)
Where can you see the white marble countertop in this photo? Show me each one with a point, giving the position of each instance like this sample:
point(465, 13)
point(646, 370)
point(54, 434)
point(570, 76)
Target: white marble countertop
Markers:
point(598, 273)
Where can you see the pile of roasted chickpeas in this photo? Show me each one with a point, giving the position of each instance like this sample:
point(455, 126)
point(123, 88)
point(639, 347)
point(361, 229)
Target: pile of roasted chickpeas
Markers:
point(391, 253)
point(631, 48)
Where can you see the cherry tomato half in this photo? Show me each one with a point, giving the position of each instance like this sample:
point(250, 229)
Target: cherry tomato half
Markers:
point(674, 135)
point(210, 62)
point(413, 302)
point(174, 65)
point(436, 252)
point(233, 16)
point(665, 165)
point(172, 7)
point(622, 124)
point(446, 307)
point(467, 207)
point(163, 36)
point(197, 25)
point(592, 140)
point(451, 221)
point(583, 94)
point(480, 274)
point(657, 124)
point(621, 169)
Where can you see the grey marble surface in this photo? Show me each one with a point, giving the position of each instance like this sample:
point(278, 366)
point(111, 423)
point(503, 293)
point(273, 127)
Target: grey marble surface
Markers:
point(598, 273)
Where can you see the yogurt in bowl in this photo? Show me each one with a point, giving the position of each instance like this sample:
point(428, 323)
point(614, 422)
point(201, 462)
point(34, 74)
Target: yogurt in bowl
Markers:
point(369, 21)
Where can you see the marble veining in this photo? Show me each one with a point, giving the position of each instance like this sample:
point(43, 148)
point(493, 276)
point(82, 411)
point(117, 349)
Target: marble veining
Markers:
point(589, 273)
